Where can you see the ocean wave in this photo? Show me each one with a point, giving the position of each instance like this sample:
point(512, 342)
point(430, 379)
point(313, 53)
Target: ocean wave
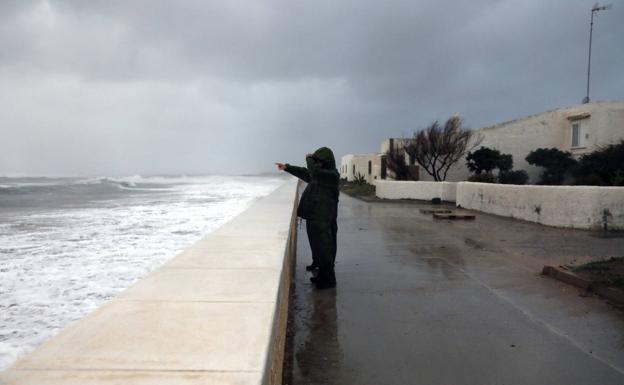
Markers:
point(126, 182)
point(62, 260)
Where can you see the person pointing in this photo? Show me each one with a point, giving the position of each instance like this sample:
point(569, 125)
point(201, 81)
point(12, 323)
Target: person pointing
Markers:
point(319, 207)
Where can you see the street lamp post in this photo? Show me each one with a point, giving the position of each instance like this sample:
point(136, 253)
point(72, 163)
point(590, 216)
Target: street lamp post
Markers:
point(597, 7)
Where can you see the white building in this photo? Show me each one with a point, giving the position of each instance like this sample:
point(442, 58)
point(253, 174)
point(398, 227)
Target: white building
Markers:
point(579, 129)
point(368, 166)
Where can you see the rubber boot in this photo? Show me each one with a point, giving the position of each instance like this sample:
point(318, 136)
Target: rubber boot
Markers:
point(325, 279)
point(312, 267)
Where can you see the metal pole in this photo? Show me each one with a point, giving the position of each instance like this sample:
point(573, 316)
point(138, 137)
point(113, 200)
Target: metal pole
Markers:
point(595, 9)
point(591, 29)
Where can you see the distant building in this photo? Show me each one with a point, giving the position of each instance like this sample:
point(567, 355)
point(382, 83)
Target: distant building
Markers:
point(579, 129)
point(354, 166)
point(370, 166)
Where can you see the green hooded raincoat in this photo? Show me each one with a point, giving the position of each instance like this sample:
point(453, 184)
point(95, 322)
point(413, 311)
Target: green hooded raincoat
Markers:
point(319, 200)
point(319, 207)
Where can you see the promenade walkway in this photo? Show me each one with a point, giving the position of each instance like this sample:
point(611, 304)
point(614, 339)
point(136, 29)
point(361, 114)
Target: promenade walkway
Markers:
point(422, 301)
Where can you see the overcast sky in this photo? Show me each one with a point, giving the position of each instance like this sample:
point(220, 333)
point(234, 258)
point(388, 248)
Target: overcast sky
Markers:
point(151, 87)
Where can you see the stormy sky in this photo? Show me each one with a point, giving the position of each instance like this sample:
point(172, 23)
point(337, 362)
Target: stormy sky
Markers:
point(196, 87)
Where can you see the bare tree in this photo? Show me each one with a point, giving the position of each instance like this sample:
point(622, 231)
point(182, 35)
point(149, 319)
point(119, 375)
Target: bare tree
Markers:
point(395, 159)
point(437, 148)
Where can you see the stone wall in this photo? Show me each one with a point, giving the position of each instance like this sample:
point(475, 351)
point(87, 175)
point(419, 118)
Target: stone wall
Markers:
point(583, 207)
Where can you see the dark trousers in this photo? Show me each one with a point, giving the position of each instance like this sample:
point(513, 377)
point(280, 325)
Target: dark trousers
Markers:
point(323, 242)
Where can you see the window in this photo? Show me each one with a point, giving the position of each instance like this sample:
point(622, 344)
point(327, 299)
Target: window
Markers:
point(353, 170)
point(370, 167)
point(383, 167)
point(576, 134)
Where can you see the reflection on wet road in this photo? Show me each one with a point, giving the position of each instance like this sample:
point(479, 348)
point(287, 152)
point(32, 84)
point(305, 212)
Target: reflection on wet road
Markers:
point(430, 302)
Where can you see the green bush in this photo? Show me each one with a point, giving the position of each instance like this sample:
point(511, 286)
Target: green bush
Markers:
point(513, 177)
point(487, 177)
point(505, 163)
point(358, 189)
point(482, 160)
point(487, 159)
point(556, 164)
point(604, 167)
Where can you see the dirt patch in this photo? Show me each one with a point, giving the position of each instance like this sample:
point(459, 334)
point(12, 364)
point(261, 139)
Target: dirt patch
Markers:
point(358, 190)
point(608, 272)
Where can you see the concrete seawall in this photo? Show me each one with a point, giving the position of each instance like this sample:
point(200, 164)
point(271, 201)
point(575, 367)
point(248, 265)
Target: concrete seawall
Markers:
point(215, 314)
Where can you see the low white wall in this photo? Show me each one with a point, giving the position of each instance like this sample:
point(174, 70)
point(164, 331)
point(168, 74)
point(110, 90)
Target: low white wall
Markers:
point(580, 207)
point(389, 189)
point(215, 314)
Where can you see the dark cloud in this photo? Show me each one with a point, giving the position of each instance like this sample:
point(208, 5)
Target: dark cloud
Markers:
point(101, 87)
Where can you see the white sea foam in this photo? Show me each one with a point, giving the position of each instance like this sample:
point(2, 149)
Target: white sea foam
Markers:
point(58, 264)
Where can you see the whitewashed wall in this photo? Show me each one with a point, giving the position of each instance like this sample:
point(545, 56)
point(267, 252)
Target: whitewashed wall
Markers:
point(390, 189)
point(561, 206)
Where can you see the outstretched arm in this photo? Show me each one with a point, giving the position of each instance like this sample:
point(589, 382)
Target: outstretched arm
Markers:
point(300, 172)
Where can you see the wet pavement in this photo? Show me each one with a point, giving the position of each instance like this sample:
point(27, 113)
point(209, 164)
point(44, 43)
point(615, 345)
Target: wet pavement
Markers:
point(424, 301)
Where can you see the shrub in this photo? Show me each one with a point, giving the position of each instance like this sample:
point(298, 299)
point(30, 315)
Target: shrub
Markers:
point(483, 160)
point(513, 177)
point(505, 163)
point(358, 189)
point(487, 177)
point(604, 167)
point(556, 164)
point(359, 179)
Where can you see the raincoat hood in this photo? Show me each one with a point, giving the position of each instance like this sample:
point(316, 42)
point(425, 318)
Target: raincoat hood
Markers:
point(326, 157)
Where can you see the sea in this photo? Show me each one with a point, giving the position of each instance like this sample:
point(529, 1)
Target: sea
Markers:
point(67, 245)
